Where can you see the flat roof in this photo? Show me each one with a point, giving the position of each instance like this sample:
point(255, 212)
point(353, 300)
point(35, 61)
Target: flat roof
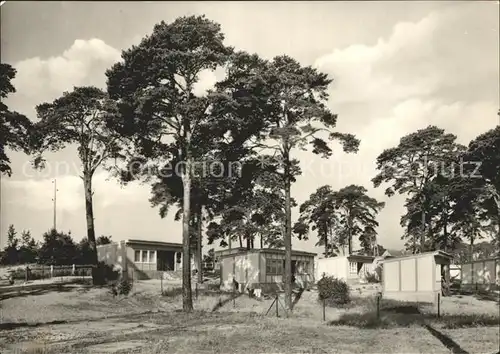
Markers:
point(419, 255)
point(149, 243)
point(153, 243)
point(239, 250)
point(359, 257)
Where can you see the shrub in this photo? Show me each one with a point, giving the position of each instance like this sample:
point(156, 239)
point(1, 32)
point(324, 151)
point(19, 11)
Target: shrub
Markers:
point(372, 278)
point(106, 273)
point(334, 291)
point(124, 286)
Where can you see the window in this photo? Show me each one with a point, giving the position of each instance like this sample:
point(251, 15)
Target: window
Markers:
point(144, 256)
point(353, 267)
point(274, 266)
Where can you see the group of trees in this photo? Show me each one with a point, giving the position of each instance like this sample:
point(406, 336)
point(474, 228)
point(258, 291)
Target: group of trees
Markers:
point(150, 121)
point(55, 248)
point(150, 118)
point(338, 217)
point(452, 190)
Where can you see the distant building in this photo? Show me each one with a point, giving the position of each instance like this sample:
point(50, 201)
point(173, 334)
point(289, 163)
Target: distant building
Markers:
point(262, 268)
point(353, 269)
point(142, 259)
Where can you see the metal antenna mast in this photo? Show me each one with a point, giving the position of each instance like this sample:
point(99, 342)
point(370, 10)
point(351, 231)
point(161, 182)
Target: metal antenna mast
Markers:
point(55, 203)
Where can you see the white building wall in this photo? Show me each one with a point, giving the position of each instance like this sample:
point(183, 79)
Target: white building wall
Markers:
point(333, 266)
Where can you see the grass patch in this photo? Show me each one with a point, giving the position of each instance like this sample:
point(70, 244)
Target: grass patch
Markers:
point(410, 315)
point(468, 321)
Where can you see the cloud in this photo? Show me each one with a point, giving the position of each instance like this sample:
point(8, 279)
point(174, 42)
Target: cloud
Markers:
point(440, 54)
point(44, 79)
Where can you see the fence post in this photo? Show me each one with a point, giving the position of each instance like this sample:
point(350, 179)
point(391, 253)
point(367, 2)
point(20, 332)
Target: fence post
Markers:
point(439, 305)
point(73, 270)
point(277, 300)
point(51, 271)
point(378, 306)
point(324, 310)
point(161, 283)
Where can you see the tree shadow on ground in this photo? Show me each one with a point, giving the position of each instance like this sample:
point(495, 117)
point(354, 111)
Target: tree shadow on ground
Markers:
point(221, 302)
point(298, 296)
point(33, 292)
point(447, 341)
point(14, 325)
point(481, 295)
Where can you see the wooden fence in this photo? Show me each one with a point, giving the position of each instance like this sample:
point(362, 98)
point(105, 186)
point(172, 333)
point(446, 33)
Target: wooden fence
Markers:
point(40, 271)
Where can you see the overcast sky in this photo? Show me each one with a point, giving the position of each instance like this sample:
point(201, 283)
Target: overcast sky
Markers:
point(397, 67)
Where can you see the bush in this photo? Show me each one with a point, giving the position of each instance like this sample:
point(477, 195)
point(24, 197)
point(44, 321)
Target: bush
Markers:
point(124, 286)
point(372, 278)
point(121, 287)
point(106, 273)
point(334, 291)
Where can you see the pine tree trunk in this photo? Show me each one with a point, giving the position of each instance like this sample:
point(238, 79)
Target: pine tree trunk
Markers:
point(288, 236)
point(97, 276)
point(187, 299)
point(261, 242)
point(445, 235)
point(349, 229)
point(422, 237)
point(199, 243)
point(241, 241)
point(471, 249)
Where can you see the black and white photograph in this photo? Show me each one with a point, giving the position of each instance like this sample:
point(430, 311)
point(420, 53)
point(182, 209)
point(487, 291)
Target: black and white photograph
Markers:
point(250, 177)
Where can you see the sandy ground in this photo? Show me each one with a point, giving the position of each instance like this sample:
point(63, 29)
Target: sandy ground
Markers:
point(234, 333)
point(146, 322)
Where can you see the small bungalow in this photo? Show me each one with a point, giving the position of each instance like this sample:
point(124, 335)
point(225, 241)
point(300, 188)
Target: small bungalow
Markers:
point(480, 274)
point(262, 268)
point(353, 269)
point(142, 259)
point(416, 277)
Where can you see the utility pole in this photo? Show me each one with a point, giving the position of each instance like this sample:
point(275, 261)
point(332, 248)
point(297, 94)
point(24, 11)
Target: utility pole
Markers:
point(55, 203)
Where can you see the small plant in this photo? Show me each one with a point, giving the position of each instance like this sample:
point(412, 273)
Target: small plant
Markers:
point(334, 291)
point(124, 286)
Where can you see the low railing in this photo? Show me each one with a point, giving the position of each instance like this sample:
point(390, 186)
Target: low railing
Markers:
point(40, 271)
